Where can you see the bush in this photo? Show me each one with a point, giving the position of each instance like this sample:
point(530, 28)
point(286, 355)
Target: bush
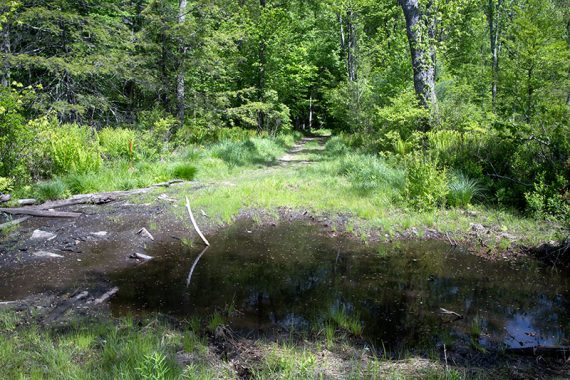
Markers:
point(462, 190)
point(52, 190)
point(184, 171)
point(119, 143)
point(426, 185)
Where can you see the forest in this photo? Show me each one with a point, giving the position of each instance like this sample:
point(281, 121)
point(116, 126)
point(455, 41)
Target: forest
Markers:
point(386, 120)
point(480, 88)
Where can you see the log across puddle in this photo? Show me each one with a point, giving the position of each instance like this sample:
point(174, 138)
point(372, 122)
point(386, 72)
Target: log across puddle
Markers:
point(295, 276)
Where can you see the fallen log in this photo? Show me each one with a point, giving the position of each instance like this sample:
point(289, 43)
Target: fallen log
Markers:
point(194, 222)
point(39, 212)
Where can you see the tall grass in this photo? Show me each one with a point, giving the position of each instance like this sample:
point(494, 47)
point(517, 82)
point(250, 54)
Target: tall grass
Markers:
point(368, 173)
point(462, 190)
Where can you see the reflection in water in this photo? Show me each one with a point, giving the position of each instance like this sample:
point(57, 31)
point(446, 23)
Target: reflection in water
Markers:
point(292, 276)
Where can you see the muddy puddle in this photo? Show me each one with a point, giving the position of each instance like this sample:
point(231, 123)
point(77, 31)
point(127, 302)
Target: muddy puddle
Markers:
point(295, 276)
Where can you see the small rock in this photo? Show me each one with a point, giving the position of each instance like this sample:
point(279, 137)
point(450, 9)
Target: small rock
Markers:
point(99, 234)
point(39, 234)
point(47, 254)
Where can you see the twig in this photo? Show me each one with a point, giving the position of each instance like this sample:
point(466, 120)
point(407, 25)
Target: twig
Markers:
point(194, 222)
point(194, 266)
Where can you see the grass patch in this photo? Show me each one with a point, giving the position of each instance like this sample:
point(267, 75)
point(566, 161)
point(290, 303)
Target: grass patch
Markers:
point(184, 171)
point(51, 190)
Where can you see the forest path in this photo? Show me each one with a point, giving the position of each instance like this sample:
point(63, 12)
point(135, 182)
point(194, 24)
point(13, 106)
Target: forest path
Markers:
point(306, 151)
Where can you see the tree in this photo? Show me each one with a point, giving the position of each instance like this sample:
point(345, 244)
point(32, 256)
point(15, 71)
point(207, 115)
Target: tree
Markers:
point(420, 30)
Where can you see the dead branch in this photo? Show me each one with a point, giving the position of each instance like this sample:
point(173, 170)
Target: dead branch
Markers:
point(194, 222)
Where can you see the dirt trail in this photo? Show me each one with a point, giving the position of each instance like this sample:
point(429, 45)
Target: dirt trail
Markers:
point(305, 151)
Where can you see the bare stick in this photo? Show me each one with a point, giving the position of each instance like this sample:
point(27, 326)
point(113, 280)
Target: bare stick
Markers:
point(194, 222)
point(36, 212)
point(194, 266)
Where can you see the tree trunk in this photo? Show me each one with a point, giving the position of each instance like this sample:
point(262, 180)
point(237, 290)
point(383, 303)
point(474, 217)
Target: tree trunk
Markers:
point(5, 49)
point(493, 20)
point(180, 84)
point(261, 76)
point(351, 59)
point(422, 52)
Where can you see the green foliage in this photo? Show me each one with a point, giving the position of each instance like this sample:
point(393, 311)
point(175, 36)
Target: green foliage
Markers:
point(426, 185)
point(6, 185)
point(403, 115)
point(184, 171)
point(546, 201)
point(119, 143)
point(153, 367)
point(68, 148)
point(14, 136)
point(462, 190)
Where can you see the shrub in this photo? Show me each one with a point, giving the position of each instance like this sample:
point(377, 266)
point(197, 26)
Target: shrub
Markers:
point(119, 143)
point(426, 185)
point(184, 171)
point(462, 190)
point(52, 190)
